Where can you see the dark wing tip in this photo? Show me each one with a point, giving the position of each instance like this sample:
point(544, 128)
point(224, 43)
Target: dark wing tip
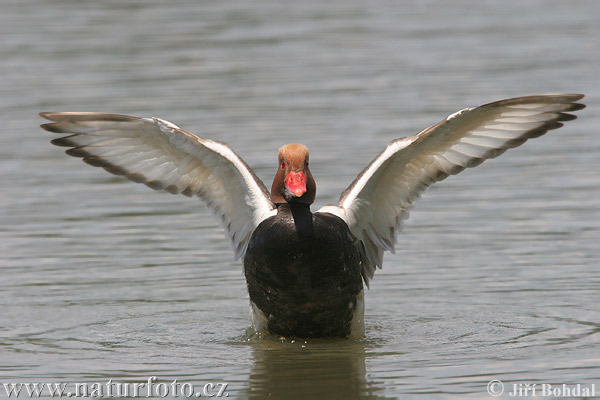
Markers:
point(73, 116)
point(64, 141)
point(577, 96)
point(543, 98)
point(61, 119)
point(53, 127)
point(76, 151)
point(566, 117)
point(46, 126)
point(569, 97)
point(577, 106)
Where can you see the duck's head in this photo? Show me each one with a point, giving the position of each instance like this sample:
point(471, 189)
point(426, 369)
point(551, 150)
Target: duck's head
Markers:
point(293, 181)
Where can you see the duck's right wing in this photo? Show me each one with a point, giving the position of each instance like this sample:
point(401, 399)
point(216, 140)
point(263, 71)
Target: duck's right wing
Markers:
point(375, 204)
point(163, 156)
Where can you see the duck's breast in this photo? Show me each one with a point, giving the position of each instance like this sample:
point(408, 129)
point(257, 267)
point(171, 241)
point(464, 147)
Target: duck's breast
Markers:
point(303, 272)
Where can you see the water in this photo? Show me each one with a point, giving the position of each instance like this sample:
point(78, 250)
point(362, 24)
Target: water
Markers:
point(496, 274)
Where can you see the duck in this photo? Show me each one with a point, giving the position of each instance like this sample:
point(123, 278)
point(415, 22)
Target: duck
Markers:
point(306, 271)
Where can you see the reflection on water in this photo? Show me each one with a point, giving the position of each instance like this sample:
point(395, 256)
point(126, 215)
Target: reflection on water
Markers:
point(496, 273)
point(297, 369)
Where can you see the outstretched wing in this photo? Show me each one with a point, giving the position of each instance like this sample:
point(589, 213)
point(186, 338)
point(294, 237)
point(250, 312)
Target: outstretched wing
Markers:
point(164, 157)
point(380, 198)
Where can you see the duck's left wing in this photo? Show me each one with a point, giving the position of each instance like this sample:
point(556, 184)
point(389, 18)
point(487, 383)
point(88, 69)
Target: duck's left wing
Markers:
point(165, 157)
point(380, 198)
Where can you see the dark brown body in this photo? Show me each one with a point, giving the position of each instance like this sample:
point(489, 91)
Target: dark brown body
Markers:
point(303, 272)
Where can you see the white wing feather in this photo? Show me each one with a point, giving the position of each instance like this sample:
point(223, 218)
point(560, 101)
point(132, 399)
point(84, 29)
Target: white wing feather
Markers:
point(380, 198)
point(165, 157)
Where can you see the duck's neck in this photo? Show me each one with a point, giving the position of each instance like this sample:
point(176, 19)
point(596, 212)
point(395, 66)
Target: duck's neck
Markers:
point(301, 215)
point(295, 207)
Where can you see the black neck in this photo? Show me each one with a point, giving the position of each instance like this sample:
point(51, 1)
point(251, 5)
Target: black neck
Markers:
point(293, 206)
point(302, 217)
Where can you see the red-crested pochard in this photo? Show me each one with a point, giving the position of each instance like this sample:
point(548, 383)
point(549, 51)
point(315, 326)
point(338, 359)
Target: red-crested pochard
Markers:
point(305, 271)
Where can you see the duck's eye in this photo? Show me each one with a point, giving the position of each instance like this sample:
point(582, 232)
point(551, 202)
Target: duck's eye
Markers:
point(282, 164)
